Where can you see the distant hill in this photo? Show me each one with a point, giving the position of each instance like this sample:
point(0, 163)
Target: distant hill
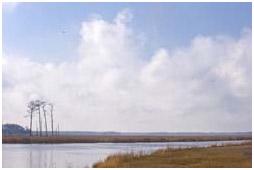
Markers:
point(14, 129)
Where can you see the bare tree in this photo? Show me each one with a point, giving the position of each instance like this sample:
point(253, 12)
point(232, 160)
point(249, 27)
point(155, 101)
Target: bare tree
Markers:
point(52, 120)
point(37, 133)
point(31, 109)
point(38, 105)
point(40, 124)
point(45, 117)
point(40, 127)
point(58, 129)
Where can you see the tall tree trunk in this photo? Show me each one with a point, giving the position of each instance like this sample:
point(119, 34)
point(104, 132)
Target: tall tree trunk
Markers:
point(40, 121)
point(52, 124)
point(37, 133)
point(57, 130)
point(31, 122)
point(52, 120)
point(45, 119)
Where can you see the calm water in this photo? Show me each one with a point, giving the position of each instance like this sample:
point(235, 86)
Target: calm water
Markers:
point(81, 155)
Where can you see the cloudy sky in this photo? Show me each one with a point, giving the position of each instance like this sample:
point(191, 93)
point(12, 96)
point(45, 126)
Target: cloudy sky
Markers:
point(176, 67)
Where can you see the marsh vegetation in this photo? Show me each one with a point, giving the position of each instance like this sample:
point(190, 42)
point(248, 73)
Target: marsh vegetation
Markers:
point(213, 156)
point(119, 139)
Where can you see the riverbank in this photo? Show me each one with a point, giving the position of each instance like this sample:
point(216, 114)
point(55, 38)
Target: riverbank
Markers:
point(215, 156)
point(117, 139)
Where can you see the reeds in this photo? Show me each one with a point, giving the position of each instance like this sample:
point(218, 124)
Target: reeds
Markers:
point(214, 156)
point(117, 139)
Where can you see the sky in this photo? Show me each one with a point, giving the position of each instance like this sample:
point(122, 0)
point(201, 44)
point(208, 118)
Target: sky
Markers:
point(130, 67)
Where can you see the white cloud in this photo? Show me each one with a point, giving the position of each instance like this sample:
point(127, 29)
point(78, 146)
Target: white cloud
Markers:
point(205, 86)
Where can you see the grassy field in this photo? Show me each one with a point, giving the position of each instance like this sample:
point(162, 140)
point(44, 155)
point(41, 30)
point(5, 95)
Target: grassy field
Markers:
point(116, 139)
point(215, 156)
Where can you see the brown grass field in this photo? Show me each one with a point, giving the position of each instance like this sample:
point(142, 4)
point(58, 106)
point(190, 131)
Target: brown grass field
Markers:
point(216, 156)
point(116, 139)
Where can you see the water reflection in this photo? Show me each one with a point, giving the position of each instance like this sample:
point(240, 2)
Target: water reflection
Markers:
point(80, 155)
point(41, 158)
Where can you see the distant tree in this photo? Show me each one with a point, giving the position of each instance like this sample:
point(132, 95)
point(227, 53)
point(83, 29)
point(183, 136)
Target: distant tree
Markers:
point(38, 104)
point(37, 132)
point(52, 120)
point(45, 117)
point(58, 129)
point(31, 108)
point(14, 129)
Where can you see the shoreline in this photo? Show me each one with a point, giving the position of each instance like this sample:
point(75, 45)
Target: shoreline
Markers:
point(115, 139)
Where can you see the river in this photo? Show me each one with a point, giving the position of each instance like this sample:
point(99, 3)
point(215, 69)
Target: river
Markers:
point(81, 154)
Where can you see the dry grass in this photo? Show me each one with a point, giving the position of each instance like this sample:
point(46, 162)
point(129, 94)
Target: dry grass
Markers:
point(215, 156)
point(117, 139)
